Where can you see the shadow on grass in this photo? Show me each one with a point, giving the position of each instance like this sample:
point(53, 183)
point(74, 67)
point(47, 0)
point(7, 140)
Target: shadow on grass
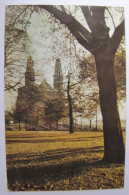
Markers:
point(44, 140)
point(52, 155)
point(42, 174)
point(35, 176)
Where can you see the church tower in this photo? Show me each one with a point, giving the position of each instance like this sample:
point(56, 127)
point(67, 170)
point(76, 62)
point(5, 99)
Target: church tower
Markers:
point(29, 74)
point(58, 77)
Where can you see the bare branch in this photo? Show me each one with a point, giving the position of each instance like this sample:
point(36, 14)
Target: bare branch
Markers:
point(13, 87)
point(21, 14)
point(30, 16)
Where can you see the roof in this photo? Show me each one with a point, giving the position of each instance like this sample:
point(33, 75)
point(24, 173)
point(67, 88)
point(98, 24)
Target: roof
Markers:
point(45, 86)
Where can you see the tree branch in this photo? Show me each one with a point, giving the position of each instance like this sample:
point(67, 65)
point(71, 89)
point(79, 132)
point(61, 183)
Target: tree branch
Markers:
point(111, 17)
point(30, 17)
point(87, 16)
point(13, 87)
point(117, 36)
point(21, 13)
point(90, 41)
point(62, 8)
point(95, 19)
point(79, 31)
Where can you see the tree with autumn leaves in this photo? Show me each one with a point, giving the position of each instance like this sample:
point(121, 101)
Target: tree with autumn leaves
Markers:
point(103, 46)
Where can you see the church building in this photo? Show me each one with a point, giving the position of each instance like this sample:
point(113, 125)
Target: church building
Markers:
point(30, 99)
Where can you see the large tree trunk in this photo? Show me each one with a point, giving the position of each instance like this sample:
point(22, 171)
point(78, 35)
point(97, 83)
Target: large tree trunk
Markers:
point(114, 151)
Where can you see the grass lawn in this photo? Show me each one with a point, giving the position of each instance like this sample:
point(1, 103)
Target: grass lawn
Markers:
point(47, 161)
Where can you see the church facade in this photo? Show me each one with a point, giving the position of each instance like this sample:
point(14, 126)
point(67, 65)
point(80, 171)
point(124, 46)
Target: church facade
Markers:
point(30, 99)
